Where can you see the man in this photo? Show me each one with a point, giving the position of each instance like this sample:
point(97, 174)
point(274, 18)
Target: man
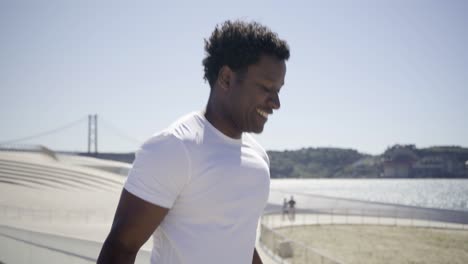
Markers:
point(200, 186)
point(292, 209)
point(285, 208)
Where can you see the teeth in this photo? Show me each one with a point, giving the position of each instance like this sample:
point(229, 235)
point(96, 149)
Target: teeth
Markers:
point(262, 113)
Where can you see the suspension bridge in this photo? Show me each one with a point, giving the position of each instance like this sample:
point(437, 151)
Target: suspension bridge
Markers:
point(91, 122)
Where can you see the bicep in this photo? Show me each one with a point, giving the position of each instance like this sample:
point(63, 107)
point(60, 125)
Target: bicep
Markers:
point(135, 220)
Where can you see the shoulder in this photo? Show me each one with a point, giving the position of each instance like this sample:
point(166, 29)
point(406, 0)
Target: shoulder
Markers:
point(173, 141)
point(162, 150)
point(186, 128)
point(161, 142)
point(170, 142)
point(160, 170)
point(253, 144)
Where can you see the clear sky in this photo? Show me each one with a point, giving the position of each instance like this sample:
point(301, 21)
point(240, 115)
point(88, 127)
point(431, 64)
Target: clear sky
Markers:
point(362, 74)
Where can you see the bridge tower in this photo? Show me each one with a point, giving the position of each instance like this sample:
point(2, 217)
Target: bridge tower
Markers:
point(92, 133)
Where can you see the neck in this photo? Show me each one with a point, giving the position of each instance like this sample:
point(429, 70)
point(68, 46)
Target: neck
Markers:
point(215, 115)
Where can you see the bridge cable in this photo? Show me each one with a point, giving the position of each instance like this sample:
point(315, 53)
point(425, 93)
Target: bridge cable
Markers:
point(45, 133)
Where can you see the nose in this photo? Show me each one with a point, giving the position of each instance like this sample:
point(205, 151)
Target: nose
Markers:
point(274, 102)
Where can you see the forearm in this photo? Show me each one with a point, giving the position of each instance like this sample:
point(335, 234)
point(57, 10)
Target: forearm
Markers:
point(256, 258)
point(113, 253)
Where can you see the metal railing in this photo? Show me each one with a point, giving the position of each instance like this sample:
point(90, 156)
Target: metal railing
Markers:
point(285, 250)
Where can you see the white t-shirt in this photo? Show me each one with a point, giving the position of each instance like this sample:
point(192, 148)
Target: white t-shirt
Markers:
point(215, 186)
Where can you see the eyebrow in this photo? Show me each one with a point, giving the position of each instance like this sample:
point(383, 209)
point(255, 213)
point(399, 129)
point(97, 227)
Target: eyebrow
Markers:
point(270, 87)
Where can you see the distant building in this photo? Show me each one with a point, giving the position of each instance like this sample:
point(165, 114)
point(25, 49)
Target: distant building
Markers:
point(398, 161)
point(394, 169)
point(431, 166)
point(466, 168)
point(405, 161)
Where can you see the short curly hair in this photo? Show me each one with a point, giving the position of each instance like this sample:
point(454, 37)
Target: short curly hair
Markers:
point(239, 44)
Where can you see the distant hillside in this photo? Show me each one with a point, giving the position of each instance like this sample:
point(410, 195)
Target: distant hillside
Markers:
point(398, 161)
point(322, 163)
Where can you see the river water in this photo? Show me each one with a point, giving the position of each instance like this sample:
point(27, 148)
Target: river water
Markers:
point(430, 193)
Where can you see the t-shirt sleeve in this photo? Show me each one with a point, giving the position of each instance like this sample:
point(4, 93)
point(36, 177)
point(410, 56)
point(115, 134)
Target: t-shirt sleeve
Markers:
point(160, 171)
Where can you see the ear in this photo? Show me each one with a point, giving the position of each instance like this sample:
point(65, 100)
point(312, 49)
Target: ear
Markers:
point(225, 76)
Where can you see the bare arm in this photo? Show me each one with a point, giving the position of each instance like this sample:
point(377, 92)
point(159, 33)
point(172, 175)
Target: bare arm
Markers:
point(134, 222)
point(256, 258)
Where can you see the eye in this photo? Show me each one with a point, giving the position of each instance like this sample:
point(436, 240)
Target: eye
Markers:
point(269, 90)
point(265, 89)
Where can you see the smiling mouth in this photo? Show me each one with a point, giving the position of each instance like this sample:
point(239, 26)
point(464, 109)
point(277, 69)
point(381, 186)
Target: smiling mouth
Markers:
point(262, 113)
